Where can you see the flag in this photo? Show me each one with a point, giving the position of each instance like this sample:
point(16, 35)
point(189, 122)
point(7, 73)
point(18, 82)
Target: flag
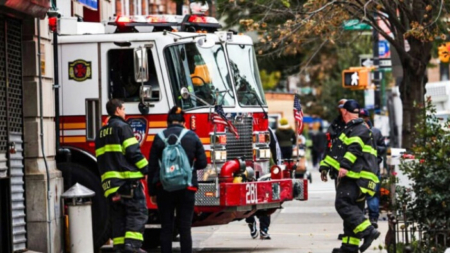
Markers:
point(298, 114)
point(219, 117)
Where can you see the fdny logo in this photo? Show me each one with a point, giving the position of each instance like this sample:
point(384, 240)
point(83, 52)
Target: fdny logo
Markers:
point(80, 70)
point(139, 126)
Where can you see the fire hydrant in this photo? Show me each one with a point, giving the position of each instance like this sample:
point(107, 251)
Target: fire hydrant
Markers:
point(78, 200)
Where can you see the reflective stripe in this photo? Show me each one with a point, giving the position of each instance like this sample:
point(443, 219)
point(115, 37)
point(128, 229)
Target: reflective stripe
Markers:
point(361, 227)
point(134, 235)
point(347, 141)
point(128, 142)
point(142, 163)
point(118, 240)
point(370, 150)
point(323, 163)
point(332, 162)
point(108, 148)
point(110, 191)
point(349, 156)
point(352, 174)
point(370, 176)
point(122, 175)
point(365, 190)
point(351, 240)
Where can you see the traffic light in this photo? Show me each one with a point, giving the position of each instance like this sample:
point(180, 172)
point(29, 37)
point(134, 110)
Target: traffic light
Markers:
point(444, 52)
point(356, 78)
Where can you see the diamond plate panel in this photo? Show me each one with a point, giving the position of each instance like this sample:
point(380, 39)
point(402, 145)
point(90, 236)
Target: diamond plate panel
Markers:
point(205, 195)
point(244, 145)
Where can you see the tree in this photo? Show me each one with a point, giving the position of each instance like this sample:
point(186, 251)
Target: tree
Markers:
point(290, 26)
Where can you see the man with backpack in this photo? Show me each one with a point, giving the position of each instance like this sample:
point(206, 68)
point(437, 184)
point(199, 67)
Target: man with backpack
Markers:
point(175, 157)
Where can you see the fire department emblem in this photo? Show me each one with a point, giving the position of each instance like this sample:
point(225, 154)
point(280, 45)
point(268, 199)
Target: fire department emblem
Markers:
point(139, 126)
point(80, 70)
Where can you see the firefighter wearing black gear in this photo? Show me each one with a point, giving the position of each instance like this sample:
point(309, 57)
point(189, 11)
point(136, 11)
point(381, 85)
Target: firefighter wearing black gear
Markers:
point(332, 134)
point(353, 155)
point(122, 166)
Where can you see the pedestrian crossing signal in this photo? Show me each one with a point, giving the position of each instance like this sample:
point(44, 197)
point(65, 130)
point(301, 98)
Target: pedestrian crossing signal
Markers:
point(356, 78)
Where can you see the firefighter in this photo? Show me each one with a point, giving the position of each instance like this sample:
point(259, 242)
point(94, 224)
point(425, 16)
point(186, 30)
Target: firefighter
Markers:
point(354, 157)
point(122, 166)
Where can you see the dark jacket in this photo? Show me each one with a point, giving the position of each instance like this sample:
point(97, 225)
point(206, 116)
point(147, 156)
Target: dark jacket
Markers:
point(119, 156)
point(333, 132)
point(381, 145)
point(286, 137)
point(355, 151)
point(192, 146)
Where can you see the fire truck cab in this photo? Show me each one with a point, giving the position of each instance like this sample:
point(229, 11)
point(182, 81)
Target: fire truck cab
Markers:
point(179, 60)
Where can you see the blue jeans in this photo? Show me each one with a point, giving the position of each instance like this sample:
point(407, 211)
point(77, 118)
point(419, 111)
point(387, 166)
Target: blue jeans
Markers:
point(373, 203)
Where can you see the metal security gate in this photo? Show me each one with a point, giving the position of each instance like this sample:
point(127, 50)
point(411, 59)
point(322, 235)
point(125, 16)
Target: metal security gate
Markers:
point(12, 192)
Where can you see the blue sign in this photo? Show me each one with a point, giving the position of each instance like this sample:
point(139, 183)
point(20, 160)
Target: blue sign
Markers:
point(383, 49)
point(139, 126)
point(91, 4)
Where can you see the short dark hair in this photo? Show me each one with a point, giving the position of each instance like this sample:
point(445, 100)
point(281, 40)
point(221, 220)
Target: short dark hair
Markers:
point(112, 106)
point(175, 114)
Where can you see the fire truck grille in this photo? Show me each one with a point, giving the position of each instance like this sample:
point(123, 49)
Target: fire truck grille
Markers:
point(244, 145)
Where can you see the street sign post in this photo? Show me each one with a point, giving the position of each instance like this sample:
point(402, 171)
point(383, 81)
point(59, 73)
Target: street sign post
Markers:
point(356, 25)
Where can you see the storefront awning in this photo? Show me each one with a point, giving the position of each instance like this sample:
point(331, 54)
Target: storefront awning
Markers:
point(35, 8)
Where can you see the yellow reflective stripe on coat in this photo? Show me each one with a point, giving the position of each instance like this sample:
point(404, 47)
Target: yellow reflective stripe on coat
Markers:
point(118, 240)
point(128, 142)
point(134, 235)
point(370, 150)
point(142, 163)
point(332, 162)
point(323, 163)
point(351, 240)
point(367, 191)
point(370, 176)
point(351, 157)
point(122, 175)
point(347, 141)
point(111, 191)
point(361, 227)
point(108, 148)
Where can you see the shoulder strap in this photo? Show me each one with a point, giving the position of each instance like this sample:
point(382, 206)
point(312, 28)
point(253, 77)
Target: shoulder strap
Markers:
point(183, 132)
point(163, 137)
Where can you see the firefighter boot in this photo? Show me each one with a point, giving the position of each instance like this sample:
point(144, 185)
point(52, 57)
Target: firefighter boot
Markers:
point(130, 249)
point(368, 239)
point(339, 250)
point(253, 229)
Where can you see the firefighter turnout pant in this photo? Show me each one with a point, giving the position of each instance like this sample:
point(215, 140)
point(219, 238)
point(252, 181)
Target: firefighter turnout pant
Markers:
point(349, 204)
point(128, 213)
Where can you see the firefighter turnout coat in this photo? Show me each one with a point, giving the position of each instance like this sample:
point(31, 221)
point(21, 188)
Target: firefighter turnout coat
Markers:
point(119, 157)
point(355, 151)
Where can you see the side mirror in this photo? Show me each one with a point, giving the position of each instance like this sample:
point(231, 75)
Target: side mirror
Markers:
point(140, 65)
point(145, 93)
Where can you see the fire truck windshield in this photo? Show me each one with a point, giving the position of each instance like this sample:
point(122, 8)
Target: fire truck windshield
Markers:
point(203, 71)
point(246, 75)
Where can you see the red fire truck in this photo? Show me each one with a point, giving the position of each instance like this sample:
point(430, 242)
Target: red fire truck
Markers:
point(153, 63)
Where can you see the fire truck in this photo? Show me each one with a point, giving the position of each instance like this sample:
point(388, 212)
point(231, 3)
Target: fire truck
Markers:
point(153, 63)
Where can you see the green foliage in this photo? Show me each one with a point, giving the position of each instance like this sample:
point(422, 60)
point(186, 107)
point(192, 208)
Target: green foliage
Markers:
point(269, 80)
point(430, 174)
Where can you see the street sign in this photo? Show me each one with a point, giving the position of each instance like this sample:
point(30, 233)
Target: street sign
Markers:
point(383, 49)
point(355, 25)
point(369, 62)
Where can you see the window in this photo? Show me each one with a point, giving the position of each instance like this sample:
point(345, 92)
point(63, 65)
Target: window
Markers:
point(121, 76)
point(246, 75)
point(203, 71)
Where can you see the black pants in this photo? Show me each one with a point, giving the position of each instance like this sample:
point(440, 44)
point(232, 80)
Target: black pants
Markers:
point(128, 217)
point(182, 202)
point(350, 206)
point(264, 221)
point(286, 152)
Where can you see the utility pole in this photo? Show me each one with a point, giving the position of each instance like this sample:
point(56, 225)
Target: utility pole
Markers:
point(376, 74)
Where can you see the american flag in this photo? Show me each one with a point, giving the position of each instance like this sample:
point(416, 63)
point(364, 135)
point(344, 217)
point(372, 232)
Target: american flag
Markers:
point(298, 114)
point(219, 117)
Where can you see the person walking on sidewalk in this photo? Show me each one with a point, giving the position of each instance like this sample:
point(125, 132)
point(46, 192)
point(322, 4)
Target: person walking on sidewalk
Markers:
point(353, 155)
point(373, 202)
point(263, 216)
point(179, 201)
point(122, 166)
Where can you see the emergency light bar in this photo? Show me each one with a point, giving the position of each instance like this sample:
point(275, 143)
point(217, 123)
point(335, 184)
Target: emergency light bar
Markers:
point(151, 20)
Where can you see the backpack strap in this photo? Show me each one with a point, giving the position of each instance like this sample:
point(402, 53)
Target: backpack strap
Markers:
point(163, 137)
point(183, 132)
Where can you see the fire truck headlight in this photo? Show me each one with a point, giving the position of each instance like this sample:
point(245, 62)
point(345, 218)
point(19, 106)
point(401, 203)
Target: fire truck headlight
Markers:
point(261, 137)
point(262, 154)
point(220, 155)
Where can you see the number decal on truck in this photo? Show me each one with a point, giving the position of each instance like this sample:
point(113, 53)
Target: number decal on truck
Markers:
point(251, 196)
